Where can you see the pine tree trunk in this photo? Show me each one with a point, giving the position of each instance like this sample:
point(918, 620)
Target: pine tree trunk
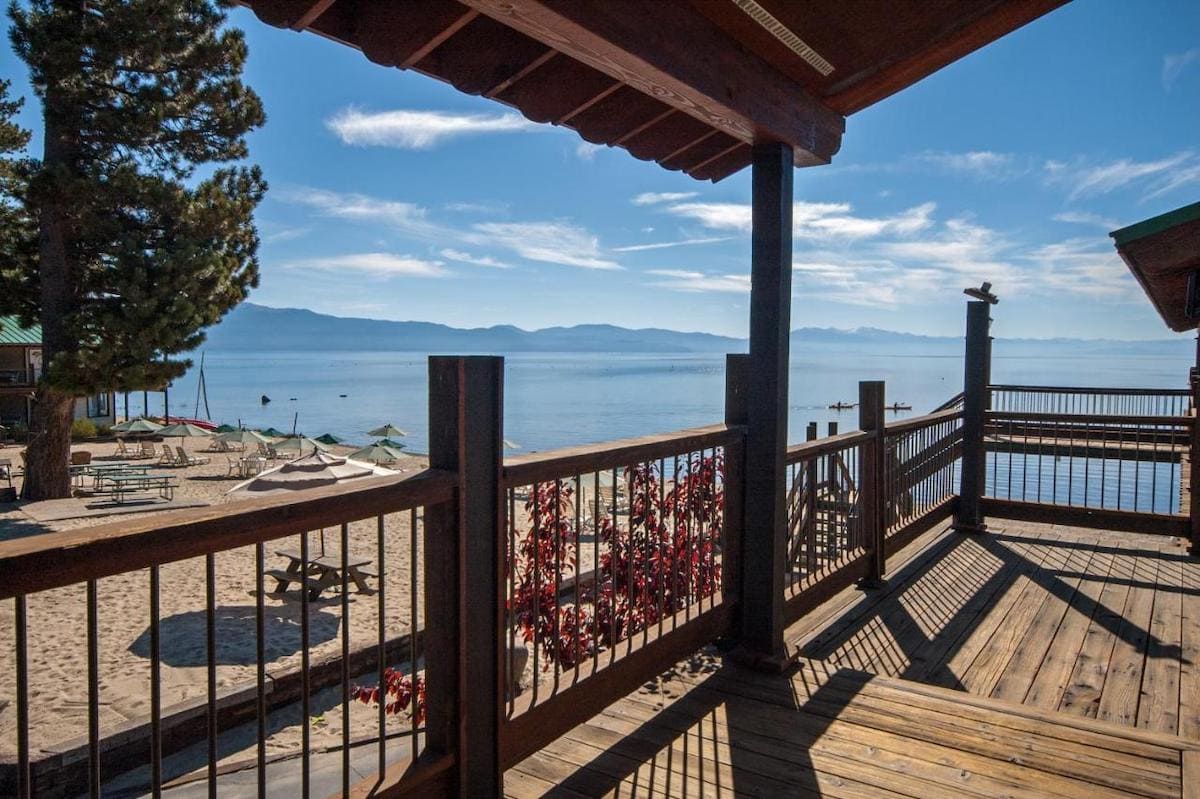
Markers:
point(46, 473)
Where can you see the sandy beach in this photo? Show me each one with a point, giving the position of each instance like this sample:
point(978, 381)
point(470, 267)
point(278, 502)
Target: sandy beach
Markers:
point(57, 624)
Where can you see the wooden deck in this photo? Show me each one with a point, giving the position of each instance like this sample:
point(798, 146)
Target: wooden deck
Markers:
point(1033, 661)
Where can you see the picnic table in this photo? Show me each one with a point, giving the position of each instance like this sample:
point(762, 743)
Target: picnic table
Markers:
point(98, 470)
point(121, 484)
point(251, 465)
point(319, 573)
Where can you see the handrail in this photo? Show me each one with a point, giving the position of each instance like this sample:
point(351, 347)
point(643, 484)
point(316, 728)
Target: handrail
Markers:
point(537, 467)
point(1131, 392)
point(954, 402)
point(54, 560)
point(1078, 418)
point(824, 446)
point(917, 422)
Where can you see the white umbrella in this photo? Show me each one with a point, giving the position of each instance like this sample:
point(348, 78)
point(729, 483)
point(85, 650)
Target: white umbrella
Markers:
point(244, 437)
point(299, 444)
point(137, 426)
point(184, 430)
point(387, 431)
point(312, 471)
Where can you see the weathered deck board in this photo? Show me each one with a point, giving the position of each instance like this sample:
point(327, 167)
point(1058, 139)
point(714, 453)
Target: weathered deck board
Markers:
point(1032, 661)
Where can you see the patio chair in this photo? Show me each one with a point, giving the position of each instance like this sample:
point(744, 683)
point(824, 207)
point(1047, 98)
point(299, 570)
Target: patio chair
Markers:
point(189, 460)
point(168, 458)
point(147, 450)
point(233, 467)
point(219, 446)
point(123, 450)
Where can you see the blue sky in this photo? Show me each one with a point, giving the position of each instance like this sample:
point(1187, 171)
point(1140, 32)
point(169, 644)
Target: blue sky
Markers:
point(394, 196)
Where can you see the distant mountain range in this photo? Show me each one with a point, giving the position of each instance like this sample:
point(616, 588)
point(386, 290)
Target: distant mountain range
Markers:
point(259, 328)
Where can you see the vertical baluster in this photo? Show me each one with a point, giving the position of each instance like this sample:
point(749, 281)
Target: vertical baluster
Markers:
point(381, 638)
point(305, 699)
point(21, 644)
point(598, 579)
point(663, 543)
point(557, 541)
point(345, 542)
point(577, 571)
point(260, 668)
point(510, 662)
point(210, 634)
point(415, 561)
point(155, 686)
point(1120, 458)
point(93, 671)
point(535, 500)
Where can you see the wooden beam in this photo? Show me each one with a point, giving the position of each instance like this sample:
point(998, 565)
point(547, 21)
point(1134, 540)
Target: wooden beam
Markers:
point(522, 72)
point(591, 101)
point(671, 52)
point(649, 123)
point(308, 17)
point(858, 92)
point(441, 36)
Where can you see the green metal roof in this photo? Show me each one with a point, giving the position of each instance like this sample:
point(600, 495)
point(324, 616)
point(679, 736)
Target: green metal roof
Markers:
point(11, 332)
point(1156, 224)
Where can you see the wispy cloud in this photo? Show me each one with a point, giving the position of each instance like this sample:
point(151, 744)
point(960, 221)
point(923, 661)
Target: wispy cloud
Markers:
point(689, 281)
point(1152, 178)
point(586, 151)
point(380, 264)
point(550, 242)
point(812, 220)
point(285, 234)
point(478, 260)
point(419, 130)
point(653, 197)
point(1174, 65)
point(662, 245)
point(975, 163)
point(1085, 218)
point(1081, 267)
point(476, 207)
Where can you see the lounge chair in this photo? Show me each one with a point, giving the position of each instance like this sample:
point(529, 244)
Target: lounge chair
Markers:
point(233, 467)
point(168, 458)
point(123, 450)
point(147, 450)
point(189, 460)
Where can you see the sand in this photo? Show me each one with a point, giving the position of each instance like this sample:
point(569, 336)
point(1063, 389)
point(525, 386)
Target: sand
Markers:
point(57, 625)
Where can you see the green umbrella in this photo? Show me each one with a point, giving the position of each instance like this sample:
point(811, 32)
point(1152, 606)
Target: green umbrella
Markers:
point(137, 426)
point(244, 437)
point(271, 432)
point(387, 431)
point(376, 453)
point(299, 444)
point(184, 430)
point(387, 442)
point(329, 438)
point(227, 428)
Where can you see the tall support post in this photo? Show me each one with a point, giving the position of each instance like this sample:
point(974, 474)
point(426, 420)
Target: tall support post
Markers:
point(976, 372)
point(764, 551)
point(870, 489)
point(1194, 467)
point(464, 571)
point(737, 392)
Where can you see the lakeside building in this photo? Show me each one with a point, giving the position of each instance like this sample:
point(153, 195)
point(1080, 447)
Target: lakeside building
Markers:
point(20, 369)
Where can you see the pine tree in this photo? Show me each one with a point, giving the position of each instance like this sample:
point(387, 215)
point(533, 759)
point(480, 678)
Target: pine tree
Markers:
point(136, 253)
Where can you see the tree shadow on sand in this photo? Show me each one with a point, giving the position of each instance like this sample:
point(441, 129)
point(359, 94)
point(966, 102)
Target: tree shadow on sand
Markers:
point(183, 635)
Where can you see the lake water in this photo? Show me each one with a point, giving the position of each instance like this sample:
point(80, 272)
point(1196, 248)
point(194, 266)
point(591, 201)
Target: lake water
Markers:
point(554, 400)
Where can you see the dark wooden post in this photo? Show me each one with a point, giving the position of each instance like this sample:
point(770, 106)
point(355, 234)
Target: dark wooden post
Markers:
point(870, 489)
point(464, 571)
point(808, 531)
point(737, 387)
point(976, 371)
point(764, 548)
point(1194, 467)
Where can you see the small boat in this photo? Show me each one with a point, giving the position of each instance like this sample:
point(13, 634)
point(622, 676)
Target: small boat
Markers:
point(201, 423)
point(899, 406)
point(843, 406)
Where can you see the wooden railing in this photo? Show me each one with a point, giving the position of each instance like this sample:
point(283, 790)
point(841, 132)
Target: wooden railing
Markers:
point(194, 565)
point(1076, 400)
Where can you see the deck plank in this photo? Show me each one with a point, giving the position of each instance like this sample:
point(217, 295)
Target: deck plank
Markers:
point(1158, 707)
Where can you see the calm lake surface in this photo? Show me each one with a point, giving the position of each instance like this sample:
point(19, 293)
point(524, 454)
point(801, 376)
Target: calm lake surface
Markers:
point(554, 400)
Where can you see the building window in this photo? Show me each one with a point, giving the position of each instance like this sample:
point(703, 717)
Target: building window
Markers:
point(98, 405)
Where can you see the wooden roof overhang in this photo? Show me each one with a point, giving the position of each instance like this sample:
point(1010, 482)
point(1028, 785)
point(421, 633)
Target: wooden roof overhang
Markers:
point(1162, 252)
point(688, 84)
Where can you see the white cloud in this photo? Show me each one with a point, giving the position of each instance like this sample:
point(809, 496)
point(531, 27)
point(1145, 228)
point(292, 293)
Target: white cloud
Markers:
point(286, 234)
point(477, 208)
point(467, 258)
point(406, 217)
point(1175, 63)
point(1082, 267)
point(1085, 218)
point(719, 216)
point(975, 163)
point(586, 151)
point(419, 130)
point(662, 245)
point(550, 242)
point(653, 197)
point(1084, 179)
point(689, 281)
point(812, 220)
point(381, 264)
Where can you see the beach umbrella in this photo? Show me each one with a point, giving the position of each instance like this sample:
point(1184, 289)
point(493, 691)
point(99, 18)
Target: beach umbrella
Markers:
point(226, 428)
point(510, 444)
point(387, 431)
point(271, 432)
point(184, 430)
point(387, 442)
point(243, 437)
point(137, 426)
point(329, 438)
point(312, 471)
point(376, 453)
point(299, 444)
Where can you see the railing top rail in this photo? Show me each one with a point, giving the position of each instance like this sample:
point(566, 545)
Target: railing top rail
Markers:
point(1132, 392)
point(824, 446)
point(556, 464)
point(954, 402)
point(1090, 418)
point(927, 420)
point(54, 560)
